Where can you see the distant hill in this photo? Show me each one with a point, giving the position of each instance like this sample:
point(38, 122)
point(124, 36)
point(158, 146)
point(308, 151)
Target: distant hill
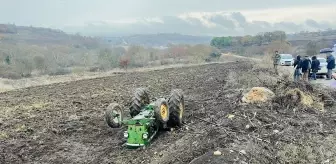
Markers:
point(327, 38)
point(162, 39)
point(306, 35)
point(11, 34)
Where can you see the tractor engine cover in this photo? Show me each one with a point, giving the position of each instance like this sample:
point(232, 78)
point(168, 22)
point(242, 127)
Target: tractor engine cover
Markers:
point(141, 128)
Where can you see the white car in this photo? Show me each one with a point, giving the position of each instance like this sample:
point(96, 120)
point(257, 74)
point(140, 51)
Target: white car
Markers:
point(286, 59)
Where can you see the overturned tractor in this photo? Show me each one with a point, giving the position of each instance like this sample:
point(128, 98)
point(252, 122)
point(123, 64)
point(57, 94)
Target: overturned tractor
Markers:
point(147, 118)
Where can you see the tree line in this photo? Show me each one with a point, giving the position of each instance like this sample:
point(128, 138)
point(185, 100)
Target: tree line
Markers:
point(248, 40)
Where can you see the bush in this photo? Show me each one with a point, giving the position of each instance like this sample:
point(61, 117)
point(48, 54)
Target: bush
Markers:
point(94, 69)
point(23, 66)
point(167, 61)
point(78, 70)
point(40, 64)
point(10, 75)
point(60, 71)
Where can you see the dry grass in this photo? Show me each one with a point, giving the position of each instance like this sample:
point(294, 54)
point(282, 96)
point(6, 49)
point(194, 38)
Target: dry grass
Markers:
point(305, 99)
point(250, 79)
point(316, 149)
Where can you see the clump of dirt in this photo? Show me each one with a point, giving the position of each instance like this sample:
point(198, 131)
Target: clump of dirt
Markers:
point(301, 98)
point(258, 95)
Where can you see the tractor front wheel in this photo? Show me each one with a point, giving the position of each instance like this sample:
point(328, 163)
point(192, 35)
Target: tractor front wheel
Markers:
point(176, 107)
point(114, 115)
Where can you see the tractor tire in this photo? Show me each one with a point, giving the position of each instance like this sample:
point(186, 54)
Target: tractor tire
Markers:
point(114, 115)
point(161, 110)
point(176, 107)
point(139, 100)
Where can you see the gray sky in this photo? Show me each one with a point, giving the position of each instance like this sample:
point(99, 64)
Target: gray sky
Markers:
point(83, 15)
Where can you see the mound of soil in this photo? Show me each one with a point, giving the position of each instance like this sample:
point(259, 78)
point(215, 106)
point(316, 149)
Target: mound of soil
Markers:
point(64, 123)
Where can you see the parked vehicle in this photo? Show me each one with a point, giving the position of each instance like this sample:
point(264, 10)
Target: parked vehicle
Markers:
point(286, 59)
point(323, 71)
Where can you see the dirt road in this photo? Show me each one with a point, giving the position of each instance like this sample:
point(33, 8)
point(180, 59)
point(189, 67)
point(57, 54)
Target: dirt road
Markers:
point(319, 82)
point(63, 123)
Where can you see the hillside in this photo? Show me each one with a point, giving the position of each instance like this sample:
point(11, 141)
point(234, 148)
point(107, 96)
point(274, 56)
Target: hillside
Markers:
point(164, 39)
point(31, 51)
point(161, 39)
point(11, 34)
point(24, 50)
point(306, 35)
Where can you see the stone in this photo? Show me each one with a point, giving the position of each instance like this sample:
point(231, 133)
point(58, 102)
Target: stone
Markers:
point(217, 153)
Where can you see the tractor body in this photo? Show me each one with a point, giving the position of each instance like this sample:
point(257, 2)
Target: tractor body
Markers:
point(146, 117)
point(142, 128)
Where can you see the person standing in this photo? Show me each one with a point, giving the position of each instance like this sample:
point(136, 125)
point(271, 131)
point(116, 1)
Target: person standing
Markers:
point(305, 68)
point(309, 67)
point(315, 67)
point(330, 65)
point(276, 60)
point(297, 66)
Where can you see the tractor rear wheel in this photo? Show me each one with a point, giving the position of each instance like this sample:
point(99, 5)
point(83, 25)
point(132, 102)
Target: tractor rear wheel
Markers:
point(176, 107)
point(161, 110)
point(114, 115)
point(139, 100)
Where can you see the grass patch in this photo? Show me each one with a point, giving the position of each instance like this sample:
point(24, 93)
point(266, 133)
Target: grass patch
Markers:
point(3, 135)
point(315, 150)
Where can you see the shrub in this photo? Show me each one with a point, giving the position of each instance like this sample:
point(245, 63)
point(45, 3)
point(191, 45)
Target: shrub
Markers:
point(23, 66)
point(78, 70)
point(59, 71)
point(39, 63)
point(94, 69)
point(10, 75)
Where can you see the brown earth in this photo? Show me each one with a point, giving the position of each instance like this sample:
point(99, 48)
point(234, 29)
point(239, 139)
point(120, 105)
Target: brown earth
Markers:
point(64, 123)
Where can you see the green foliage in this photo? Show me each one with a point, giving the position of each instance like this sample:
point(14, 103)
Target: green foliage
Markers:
point(248, 40)
point(221, 41)
point(215, 55)
point(7, 60)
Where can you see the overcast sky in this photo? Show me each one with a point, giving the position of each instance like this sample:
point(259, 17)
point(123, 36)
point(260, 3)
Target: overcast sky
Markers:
point(202, 17)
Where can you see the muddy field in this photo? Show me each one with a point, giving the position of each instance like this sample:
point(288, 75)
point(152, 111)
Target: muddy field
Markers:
point(64, 123)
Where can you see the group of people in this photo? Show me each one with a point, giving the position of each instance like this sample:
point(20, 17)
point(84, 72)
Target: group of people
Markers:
point(304, 67)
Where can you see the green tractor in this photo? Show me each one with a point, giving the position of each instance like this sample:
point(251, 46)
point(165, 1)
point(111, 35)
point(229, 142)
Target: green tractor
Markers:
point(147, 118)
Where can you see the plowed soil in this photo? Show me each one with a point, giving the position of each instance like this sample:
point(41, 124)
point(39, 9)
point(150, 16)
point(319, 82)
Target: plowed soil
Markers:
point(64, 122)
